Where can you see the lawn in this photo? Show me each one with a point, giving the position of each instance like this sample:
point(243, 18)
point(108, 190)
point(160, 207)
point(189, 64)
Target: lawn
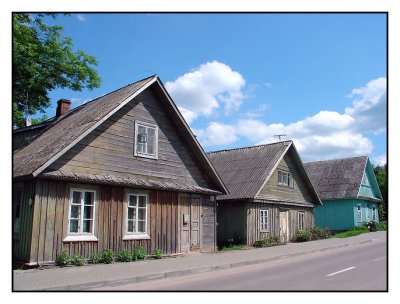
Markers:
point(352, 232)
point(233, 247)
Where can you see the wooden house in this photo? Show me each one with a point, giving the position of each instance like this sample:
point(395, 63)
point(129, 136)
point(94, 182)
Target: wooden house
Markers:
point(121, 171)
point(270, 193)
point(349, 192)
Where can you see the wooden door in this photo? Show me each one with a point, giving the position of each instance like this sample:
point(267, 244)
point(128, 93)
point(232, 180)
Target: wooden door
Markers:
point(283, 226)
point(195, 223)
point(190, 223)
point(185, 223)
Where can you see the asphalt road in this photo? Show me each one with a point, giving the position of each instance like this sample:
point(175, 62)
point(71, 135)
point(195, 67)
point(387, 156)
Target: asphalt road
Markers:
point(356, 268)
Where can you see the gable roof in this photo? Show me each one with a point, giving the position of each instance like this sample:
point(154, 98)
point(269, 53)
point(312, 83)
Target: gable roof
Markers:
point(337, 178)
point(246, 170)
point(61, 135)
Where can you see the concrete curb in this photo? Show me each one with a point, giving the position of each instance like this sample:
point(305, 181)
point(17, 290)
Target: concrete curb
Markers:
point(190, 271)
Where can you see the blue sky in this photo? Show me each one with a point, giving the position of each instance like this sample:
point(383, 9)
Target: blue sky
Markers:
point(239, 79)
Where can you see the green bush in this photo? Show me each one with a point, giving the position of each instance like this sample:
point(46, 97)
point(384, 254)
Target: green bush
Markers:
point(125, 256)
point(107, 256)
point(63, 259)
point(381, 226)
point(267, 242)
point(95, 258)
point(302, 236)
point(78, 260)
point(157, 253)
point(319, 233)
point(140, 253)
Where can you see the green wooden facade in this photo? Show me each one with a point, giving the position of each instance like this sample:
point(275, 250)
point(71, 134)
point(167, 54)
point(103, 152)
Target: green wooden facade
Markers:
point(345, 213)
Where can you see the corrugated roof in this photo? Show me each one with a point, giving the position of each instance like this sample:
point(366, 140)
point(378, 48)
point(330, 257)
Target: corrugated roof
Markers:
point(244, 170)
point(68, 128)
point(129, 181)
point(337, 178)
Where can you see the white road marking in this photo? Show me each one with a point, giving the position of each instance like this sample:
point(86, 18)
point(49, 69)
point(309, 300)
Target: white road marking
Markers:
point(378, 259)
point(340, 271)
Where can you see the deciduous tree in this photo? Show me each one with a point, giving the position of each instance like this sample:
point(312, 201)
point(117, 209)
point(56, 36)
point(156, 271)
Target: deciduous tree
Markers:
point(44, 59)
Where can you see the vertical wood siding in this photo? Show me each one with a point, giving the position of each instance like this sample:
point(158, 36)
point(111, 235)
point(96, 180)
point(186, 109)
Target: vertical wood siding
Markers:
point(50, 222)
point(208, 224)
point(340, 214)
point(109, 148)
point(299, 193)
point(253, 220)
point(21, 242)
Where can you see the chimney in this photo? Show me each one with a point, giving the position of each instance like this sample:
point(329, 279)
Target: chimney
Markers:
point(63, 105)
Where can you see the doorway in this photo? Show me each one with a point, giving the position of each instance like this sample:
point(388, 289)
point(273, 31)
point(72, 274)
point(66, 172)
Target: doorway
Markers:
point(283, 226)
point(190, 223)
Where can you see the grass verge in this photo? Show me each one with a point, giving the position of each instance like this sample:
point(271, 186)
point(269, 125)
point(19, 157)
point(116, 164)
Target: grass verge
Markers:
point(233, 247)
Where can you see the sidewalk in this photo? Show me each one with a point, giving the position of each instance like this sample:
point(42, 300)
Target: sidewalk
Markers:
point(99, 275)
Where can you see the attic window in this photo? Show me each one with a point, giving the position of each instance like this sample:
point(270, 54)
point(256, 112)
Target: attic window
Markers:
point(285, 179)
point(146, 140)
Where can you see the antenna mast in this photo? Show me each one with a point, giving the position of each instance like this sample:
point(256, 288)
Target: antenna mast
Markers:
point(279, 136)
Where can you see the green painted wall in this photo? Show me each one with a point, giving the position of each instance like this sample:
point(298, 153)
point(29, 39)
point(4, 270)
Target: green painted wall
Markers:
point(366, 211)
point(342, 214)
point(335, 214)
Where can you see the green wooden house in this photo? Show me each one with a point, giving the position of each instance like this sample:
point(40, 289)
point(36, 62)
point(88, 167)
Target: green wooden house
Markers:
point(349, 191)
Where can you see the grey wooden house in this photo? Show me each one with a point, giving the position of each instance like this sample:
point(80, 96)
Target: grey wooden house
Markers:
point(121, 171)
point(349, 192)
point(270, 193)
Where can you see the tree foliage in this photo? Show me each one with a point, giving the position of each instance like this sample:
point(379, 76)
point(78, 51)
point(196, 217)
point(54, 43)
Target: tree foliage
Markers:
point(381, 177)
point(43, 59)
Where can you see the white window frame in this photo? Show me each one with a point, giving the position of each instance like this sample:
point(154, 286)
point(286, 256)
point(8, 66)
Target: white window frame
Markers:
point(373, 213)
point(135, 235)
point(300, 220)
point(359, 214)
point(264, 220)
point(290, 182)
point(135, 139)
point(80, 235)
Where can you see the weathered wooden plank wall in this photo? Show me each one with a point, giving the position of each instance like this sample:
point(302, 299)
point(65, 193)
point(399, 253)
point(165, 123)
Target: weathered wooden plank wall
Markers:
point(22, 241)
point(253, 220)
point(109, 148)
point(299, 193)
point(208, 224)
point(50, 222)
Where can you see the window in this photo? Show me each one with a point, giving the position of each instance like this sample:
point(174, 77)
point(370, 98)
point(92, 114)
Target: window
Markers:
point(81, 212)
point(300, 220)
point(264, 220)
point(136, 215)
point(373, 213)
point(17, 203)
point(146, 140)
point(359, 214)
point(285, 179)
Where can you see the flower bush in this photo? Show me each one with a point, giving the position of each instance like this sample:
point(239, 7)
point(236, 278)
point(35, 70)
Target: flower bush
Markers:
point(267, 242)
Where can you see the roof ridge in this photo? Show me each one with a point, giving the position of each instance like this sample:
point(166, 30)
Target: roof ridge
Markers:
point(251, 147)
point(334, 159)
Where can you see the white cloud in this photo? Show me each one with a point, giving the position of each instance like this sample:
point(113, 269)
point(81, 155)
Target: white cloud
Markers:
point(369, 107)
point(379, 160)
point(325, 135)
point(206, 88)
point(216, 134)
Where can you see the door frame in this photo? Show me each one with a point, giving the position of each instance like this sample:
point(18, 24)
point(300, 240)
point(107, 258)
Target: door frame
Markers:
point(286, 211)
point(180, 218)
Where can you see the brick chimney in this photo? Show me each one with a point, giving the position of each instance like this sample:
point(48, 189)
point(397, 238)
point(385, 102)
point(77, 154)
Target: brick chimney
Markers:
point(63, 105)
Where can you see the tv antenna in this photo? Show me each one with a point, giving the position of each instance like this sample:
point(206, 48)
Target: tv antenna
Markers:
point(279, 136)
